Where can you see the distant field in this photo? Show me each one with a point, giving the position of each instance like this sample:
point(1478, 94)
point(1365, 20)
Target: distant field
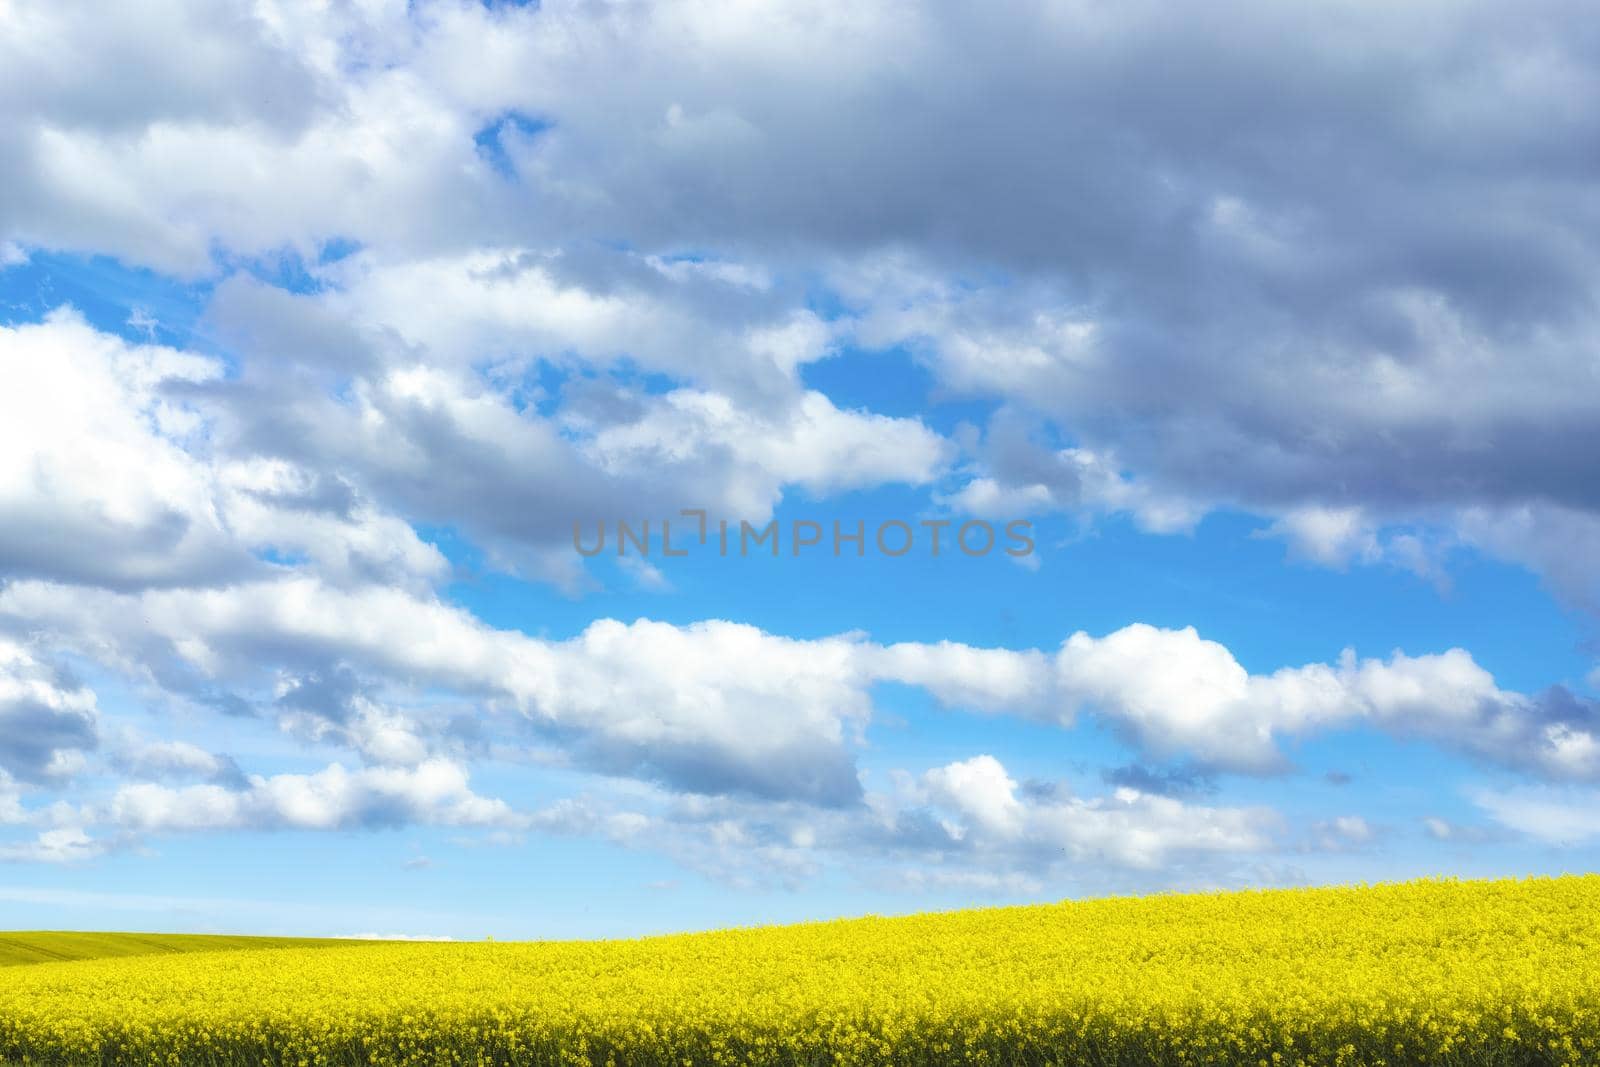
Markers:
point(51, 946)
point(1486, 974)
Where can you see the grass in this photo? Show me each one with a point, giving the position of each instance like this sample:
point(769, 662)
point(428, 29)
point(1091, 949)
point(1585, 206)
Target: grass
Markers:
point(55, 946)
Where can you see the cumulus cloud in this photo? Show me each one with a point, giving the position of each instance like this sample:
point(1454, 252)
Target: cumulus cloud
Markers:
point(713, 706)
point(95, 483)
point(1177, 694)
point(718, 706)
point(107, 476)
point(1127, 828)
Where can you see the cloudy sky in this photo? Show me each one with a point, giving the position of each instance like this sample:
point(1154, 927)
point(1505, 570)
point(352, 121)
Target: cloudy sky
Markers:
point(323, 324)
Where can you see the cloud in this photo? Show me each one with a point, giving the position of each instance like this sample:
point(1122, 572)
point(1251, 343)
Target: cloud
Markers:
point(47, 721)
point(966, 826)
point(95, 483)
point(574, 262)
point(714, 706)
point(108, 476)
point(1458, 833)
point(11, 810)
point(962, 827)
point(1559, 816)
point(1342, 833)
point(579, 305)
point(1330, 536)
point(433, 421)
point(980, 790)
point(1173, 693)
point(1216, 297)
point(718, 706)
point(1178, 781)
point(58, 845)
point(142, 760)
point(1014, 473)
point(1127, 828)
point(436, 792)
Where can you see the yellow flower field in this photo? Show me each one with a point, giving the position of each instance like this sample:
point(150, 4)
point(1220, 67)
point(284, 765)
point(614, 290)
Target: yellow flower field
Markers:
point(1503, 972)
point(54, 946)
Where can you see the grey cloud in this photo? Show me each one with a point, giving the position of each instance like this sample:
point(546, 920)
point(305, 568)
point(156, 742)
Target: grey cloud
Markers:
point(164, 550)
point(1177, 781)
point(48, 719)
point(33, 734)
point(162, 761)
point(1320, 267)
point(94, 70)
point(287, 331)
point(819, 773)
point(328, 693)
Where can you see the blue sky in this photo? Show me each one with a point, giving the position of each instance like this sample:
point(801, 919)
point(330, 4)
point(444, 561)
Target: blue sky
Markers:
point(305, 390)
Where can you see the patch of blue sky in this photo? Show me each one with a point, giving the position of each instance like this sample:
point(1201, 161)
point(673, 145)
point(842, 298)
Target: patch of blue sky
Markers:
point(1229, 583)
point(135, 303)
point(491, 139)
point(290, 269)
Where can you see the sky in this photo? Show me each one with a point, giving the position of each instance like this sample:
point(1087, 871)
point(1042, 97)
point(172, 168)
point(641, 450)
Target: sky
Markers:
point(1242, 359)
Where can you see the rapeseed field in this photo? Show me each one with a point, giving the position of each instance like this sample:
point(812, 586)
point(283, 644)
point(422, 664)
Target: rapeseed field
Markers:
point(1436, 972)
point(48, 946)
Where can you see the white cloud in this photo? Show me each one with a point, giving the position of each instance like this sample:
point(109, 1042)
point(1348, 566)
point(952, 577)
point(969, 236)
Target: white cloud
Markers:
point(1175, 693)
point(95, 482)
point(11, 810)
point(814, 445)
point(1126, 828)
point(496, 304)
point(1330, 536)
point(967, 826)
point(106, 476)
point(1557, 816)
point(59, 845)
point(981, 790)
point(435, 792)
point(382, 735)
point(720, 706)
point(713, 706)
point(1342, 833)
point(1016, 475)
